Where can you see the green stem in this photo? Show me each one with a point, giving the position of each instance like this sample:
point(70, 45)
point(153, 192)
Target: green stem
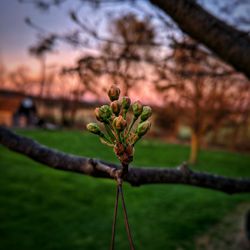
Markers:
point(104, 141)
point(114, 131)
point(109, 131)
point(105, 137)
point(136, 141)
point(124, 113)
point(131, 126)
point(120, 138)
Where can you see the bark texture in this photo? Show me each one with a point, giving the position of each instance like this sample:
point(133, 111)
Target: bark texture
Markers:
point(135, 176)
point(230, 44)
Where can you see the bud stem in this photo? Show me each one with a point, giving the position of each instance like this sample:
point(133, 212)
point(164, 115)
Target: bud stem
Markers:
point(102, 135)
point(104, 141)
point(120, 137)
point(124, 113)
point(131, 125)
point(109, 131)
point(124, 169)
point(114, 131)
point(136, 141)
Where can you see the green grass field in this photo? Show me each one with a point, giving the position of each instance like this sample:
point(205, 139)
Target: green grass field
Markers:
point(42, 208)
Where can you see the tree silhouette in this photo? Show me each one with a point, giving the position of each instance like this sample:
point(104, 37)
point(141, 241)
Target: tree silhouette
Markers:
point(40, 50)
point(227, 41)
point(119, 62)
point(204, 90)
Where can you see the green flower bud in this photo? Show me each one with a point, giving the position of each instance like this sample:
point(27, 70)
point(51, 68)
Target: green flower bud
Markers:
point(94, 128)
point(137, 108)
point(143, 128)
point(103, 113)
point(115, 106)
point(126, 102)
point(114, 93)
point(106, 111)
point(119, 123)
point(146, 113)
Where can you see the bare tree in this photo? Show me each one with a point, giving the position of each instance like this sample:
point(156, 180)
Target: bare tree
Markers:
point(40, 50)
point(21, 79)
point(122, 51)
point(227, 41)
point(120, 62)
point(205, 91)
point(135, 37)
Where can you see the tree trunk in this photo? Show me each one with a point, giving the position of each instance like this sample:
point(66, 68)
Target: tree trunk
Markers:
point(230, 44)
point(194, 148)
point(43, 75)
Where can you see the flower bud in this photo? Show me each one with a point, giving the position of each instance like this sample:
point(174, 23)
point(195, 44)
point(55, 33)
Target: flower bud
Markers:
point(143, 128)
point(93, 128)
point(119, 123)
point(97, 114)
point(137, 108)
point(115, 106)
point(114, 93)
point(126, 102)
point(103, 113)
point(146, 113)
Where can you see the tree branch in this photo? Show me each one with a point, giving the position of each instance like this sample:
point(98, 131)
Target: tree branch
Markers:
point(135, 176)
point(230, 44)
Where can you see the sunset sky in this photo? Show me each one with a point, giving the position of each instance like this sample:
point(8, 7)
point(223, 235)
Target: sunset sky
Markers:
point(16, 36)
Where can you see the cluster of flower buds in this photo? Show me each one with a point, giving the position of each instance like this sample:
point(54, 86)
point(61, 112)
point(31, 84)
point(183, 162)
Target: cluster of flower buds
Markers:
point(122, 131)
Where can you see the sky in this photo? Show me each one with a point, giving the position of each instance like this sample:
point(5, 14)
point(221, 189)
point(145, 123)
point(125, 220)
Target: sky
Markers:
point(16, 36)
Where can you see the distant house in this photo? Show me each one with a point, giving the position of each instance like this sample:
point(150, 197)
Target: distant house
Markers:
point(53, 110)
point(57, 111)
point(9, 104)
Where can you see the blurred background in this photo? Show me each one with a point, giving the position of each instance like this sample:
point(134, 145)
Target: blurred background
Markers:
point(57, 60)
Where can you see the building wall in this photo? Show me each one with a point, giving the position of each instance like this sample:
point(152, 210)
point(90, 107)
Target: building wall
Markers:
point(6, 118)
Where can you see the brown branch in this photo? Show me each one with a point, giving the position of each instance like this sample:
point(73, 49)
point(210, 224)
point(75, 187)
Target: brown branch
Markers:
point(93, 33)
point(135, 176)
point(230, 44)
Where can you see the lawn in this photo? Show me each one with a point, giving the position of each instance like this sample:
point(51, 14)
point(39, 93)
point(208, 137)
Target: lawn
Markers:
point(42, 208)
